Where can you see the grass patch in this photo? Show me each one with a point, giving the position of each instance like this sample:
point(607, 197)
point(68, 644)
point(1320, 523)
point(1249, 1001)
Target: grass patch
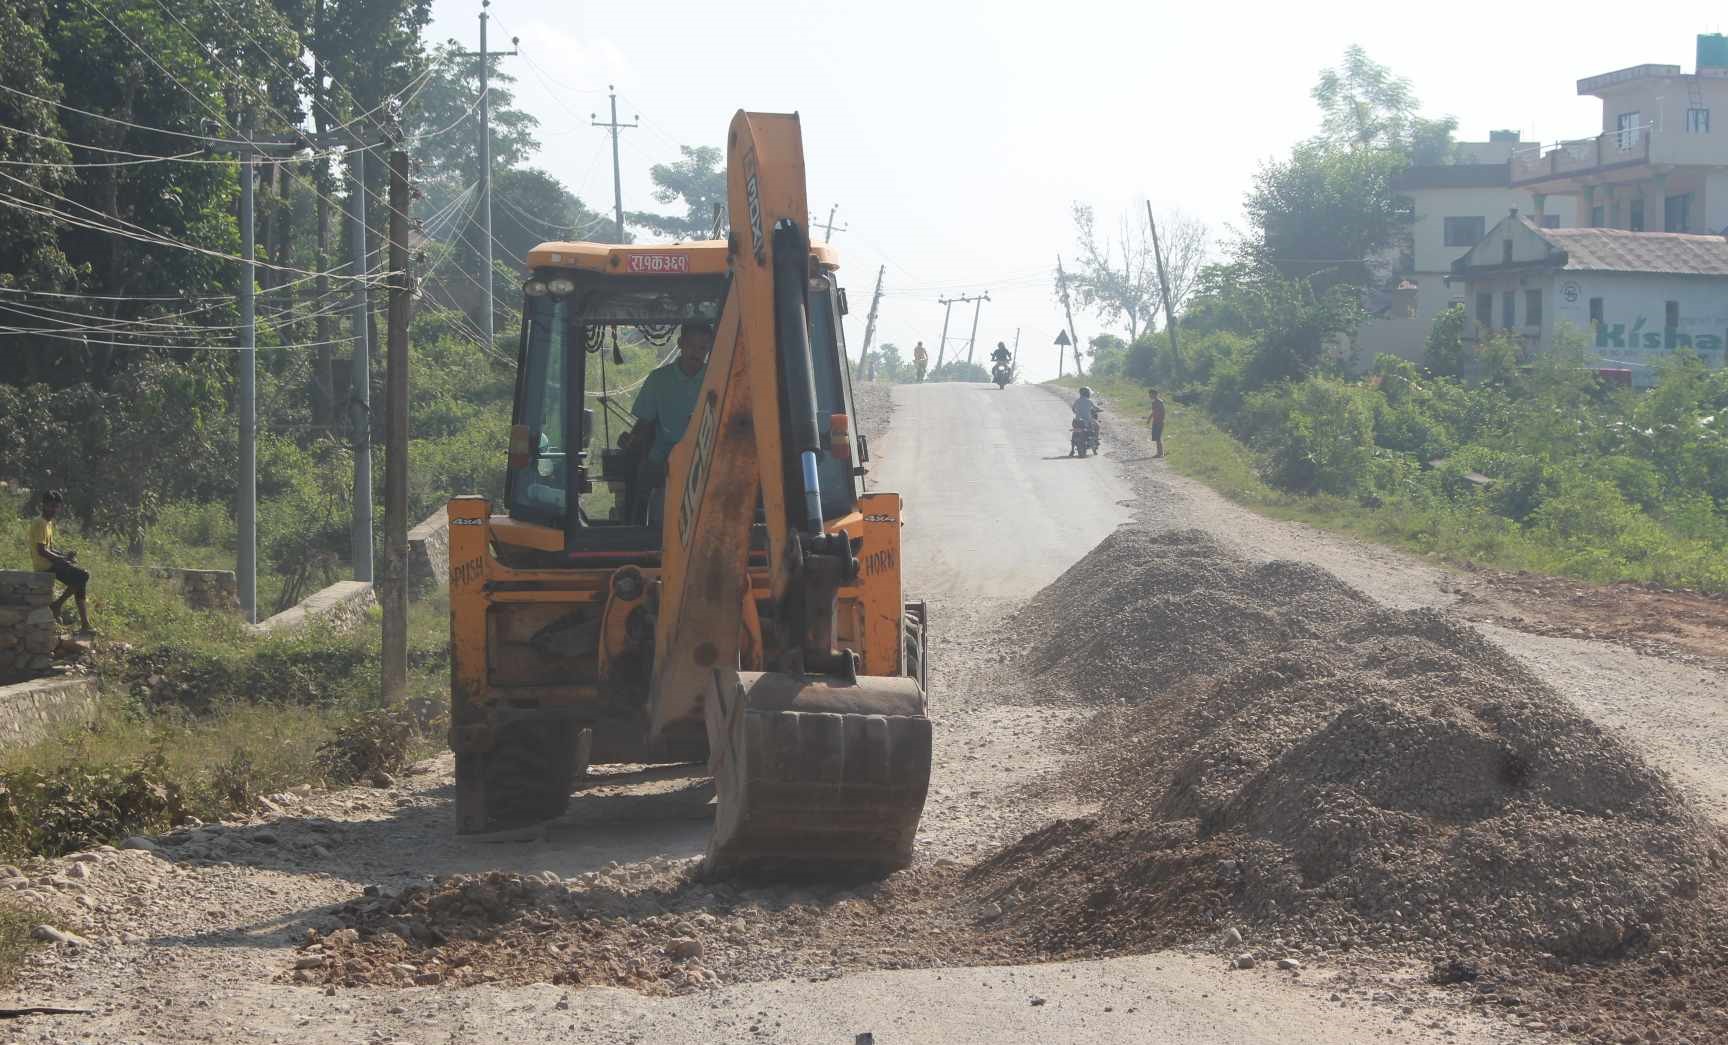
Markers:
point(198, 731)
point(1460, 533)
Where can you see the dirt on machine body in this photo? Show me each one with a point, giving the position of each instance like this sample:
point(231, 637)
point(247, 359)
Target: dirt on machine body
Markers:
point(741, 603)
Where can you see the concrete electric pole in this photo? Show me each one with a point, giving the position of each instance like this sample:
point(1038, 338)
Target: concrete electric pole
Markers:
point(1164, 286)
point(828, 226)
point(949, 303)
point(1074, 339)
point(485, 57)
point(972, 341)
point(617, 177)
point(246, 507)
point(870, 322)
point(393, 595)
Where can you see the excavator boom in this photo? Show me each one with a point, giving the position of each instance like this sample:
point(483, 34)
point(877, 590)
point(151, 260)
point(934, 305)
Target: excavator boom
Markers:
point(819, 768)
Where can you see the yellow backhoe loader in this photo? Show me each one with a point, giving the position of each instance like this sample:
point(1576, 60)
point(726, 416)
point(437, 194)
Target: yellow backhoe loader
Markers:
point(742, 605)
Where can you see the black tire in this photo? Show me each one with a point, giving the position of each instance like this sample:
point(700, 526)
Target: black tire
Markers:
point(915, 655)
point(532, 767)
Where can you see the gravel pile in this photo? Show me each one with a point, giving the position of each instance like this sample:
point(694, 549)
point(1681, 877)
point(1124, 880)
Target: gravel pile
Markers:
point(1146, 611)
point(1336, 774)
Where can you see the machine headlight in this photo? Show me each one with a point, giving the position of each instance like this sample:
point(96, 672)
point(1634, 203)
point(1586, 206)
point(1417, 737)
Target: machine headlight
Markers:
point(560, 286)
point(534, 288)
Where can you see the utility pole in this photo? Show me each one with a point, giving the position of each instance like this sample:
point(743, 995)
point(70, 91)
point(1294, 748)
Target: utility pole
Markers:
point(1164, 287)
point(1015, 361)
point(617, 178)
point(972, 341)
point(828, 226)
point(247, 558)
point(246, 555)
point(486, 155)
point(942, 346)
point(1074, 338)
point(395, 588)
point(870, 320)
point(949, 303)
point(360, 378)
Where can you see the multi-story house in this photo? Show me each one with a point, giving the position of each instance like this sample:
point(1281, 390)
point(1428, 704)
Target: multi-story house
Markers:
point(1660, 162)
point(1452, 206)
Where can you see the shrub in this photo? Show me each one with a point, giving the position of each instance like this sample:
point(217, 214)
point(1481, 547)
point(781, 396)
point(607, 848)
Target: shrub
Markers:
point(1316, 435)
point(52, 812)
point(382, 740)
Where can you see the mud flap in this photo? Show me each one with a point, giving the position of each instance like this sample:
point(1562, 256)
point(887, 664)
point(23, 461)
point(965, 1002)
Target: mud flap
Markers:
point(815, 776)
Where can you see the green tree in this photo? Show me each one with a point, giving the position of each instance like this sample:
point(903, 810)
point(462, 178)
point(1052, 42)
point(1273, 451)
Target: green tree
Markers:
point(1320, 213)
point(697, 183)
point(1118, 277)
point(531, 207)
point(1364, 105)
point(1446, 354)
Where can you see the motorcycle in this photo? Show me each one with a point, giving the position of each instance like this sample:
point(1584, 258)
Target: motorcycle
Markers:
point(1002, 374)
point(1083, 436)
point(920, 365)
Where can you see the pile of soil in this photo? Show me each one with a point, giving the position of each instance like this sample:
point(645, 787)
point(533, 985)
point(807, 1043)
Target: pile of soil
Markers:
point(1309, 768)
point(1147, 611)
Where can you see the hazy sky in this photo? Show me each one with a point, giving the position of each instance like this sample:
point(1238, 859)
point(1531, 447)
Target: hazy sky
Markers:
point(955, 136)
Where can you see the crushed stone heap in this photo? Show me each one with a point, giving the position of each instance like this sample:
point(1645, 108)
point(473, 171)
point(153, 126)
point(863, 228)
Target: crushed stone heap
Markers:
point(1293, 756)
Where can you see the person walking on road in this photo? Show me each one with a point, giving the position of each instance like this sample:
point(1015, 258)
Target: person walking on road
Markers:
point(1155, 420)
point(47, 559)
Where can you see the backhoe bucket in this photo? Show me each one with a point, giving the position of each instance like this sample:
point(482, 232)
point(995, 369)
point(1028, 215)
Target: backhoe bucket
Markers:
point(816, 776)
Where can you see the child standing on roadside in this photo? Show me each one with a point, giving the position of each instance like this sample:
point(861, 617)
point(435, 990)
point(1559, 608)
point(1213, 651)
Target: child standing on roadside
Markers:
point(1155, 420)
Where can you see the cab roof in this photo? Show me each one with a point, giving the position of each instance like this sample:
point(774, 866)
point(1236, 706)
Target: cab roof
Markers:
point(706, 257)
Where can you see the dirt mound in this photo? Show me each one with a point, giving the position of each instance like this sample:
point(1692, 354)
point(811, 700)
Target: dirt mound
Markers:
point(1345, 775)
point(1146, 611)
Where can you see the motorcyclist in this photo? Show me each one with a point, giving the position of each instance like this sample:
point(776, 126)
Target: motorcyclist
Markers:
point(920, 359)
point(1001, 355)
point(1086, 408)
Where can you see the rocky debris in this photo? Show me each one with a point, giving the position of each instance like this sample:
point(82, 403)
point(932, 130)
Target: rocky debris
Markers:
point(650, 927)
point(49, 934)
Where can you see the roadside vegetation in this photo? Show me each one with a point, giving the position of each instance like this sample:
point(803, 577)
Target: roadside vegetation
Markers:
point(1482, 452)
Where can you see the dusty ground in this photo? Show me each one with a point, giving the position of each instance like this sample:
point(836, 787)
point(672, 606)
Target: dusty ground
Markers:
point(207, 939)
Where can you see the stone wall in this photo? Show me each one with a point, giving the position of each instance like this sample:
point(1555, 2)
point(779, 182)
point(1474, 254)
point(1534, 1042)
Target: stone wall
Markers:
point(29, 711)
point(342, 605)
point(201, 589)
point(28, 631)
point(429, 555)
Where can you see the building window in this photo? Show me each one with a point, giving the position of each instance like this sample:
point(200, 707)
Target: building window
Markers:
point(1509, 309)
point(1626, 130)
point(1465, 232)
point(1598, 214)
point(1697, 121)
point(1595, 312)
point(1636, 221)
point(1532, 308)
point(1671, 315)
point(1550, 221)
point(1505, 252)
point(1485, 310)
point(1677, 213)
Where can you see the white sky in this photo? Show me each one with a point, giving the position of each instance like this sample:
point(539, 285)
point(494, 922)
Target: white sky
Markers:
point(955, 135)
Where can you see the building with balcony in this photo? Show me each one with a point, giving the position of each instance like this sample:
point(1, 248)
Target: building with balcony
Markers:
point(1636, 296)
point(1660, 160)
point(1451, 207)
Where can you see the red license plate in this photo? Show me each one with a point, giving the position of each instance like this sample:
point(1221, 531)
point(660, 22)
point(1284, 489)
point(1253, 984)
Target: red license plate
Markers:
point(657, 264)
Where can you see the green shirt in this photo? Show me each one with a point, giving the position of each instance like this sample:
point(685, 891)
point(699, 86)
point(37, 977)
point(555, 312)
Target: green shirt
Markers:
point(668, 398)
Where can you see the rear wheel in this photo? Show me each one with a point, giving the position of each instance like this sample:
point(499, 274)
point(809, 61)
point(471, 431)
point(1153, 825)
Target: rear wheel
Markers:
point(536, 758)
point(915, 658)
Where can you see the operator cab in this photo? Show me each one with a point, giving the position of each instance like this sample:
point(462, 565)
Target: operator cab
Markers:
point(597, 319)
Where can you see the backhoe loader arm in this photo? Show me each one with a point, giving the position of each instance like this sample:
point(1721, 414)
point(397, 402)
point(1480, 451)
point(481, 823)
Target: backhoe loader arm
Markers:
point(756, 433)
point(818, 770)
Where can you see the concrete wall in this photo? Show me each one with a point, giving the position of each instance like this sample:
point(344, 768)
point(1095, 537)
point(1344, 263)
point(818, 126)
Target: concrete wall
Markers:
point(1633, 332)
point(28, 631)
point(429, 555)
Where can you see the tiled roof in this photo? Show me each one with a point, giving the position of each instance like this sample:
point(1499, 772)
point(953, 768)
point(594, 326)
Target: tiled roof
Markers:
point(1616, 250)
